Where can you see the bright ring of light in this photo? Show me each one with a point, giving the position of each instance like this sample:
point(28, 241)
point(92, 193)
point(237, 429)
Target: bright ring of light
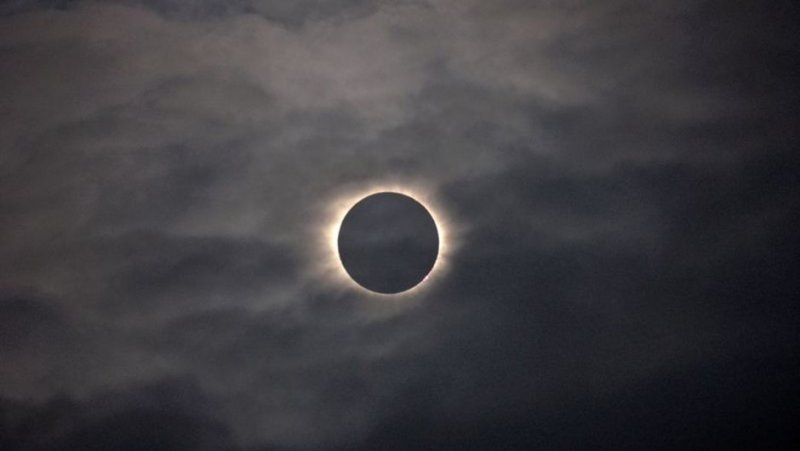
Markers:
point(337, 210)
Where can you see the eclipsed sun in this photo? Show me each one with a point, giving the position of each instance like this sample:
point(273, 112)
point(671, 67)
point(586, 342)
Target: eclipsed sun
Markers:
point(387, 240)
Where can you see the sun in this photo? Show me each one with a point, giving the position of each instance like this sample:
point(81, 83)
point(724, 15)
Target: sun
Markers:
point(329, 263)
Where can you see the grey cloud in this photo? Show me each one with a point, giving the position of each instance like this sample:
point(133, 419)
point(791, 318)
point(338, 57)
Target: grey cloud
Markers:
point(158, 416)
point(289, 13)
point(622, 178)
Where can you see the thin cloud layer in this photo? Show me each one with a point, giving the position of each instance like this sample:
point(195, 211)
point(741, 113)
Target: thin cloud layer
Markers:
point(621, 178)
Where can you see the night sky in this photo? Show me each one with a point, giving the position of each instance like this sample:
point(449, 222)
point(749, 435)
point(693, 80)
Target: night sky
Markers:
point(617, 183)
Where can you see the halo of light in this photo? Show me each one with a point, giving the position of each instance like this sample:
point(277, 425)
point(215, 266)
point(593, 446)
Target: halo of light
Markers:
point(337, 208)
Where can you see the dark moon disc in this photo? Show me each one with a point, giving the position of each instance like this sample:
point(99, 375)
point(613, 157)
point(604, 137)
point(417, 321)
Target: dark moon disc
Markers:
point(388, 242)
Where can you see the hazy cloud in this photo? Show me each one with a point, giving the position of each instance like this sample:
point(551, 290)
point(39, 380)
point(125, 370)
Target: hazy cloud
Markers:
point(622, 178)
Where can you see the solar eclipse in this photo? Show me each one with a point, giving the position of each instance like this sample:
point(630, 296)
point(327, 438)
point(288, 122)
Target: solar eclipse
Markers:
point(386, 239)
point(388, 242)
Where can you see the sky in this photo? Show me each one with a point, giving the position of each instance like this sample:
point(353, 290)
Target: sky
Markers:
point(617, 183)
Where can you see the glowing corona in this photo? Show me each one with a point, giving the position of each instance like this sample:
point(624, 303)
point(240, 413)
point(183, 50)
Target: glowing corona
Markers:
point(336, 210)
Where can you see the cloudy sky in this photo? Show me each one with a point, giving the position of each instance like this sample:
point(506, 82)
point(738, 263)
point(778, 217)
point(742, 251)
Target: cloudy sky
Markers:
point(618, 180)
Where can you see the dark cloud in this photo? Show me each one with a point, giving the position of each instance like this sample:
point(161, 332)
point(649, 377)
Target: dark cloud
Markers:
point(289, 13)
point(162, 416)
point(618, 182)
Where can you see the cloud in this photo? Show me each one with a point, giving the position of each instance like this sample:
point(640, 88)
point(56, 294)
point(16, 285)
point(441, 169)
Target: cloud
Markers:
point(290, 14)
point(620, 177)
point(160, 416)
